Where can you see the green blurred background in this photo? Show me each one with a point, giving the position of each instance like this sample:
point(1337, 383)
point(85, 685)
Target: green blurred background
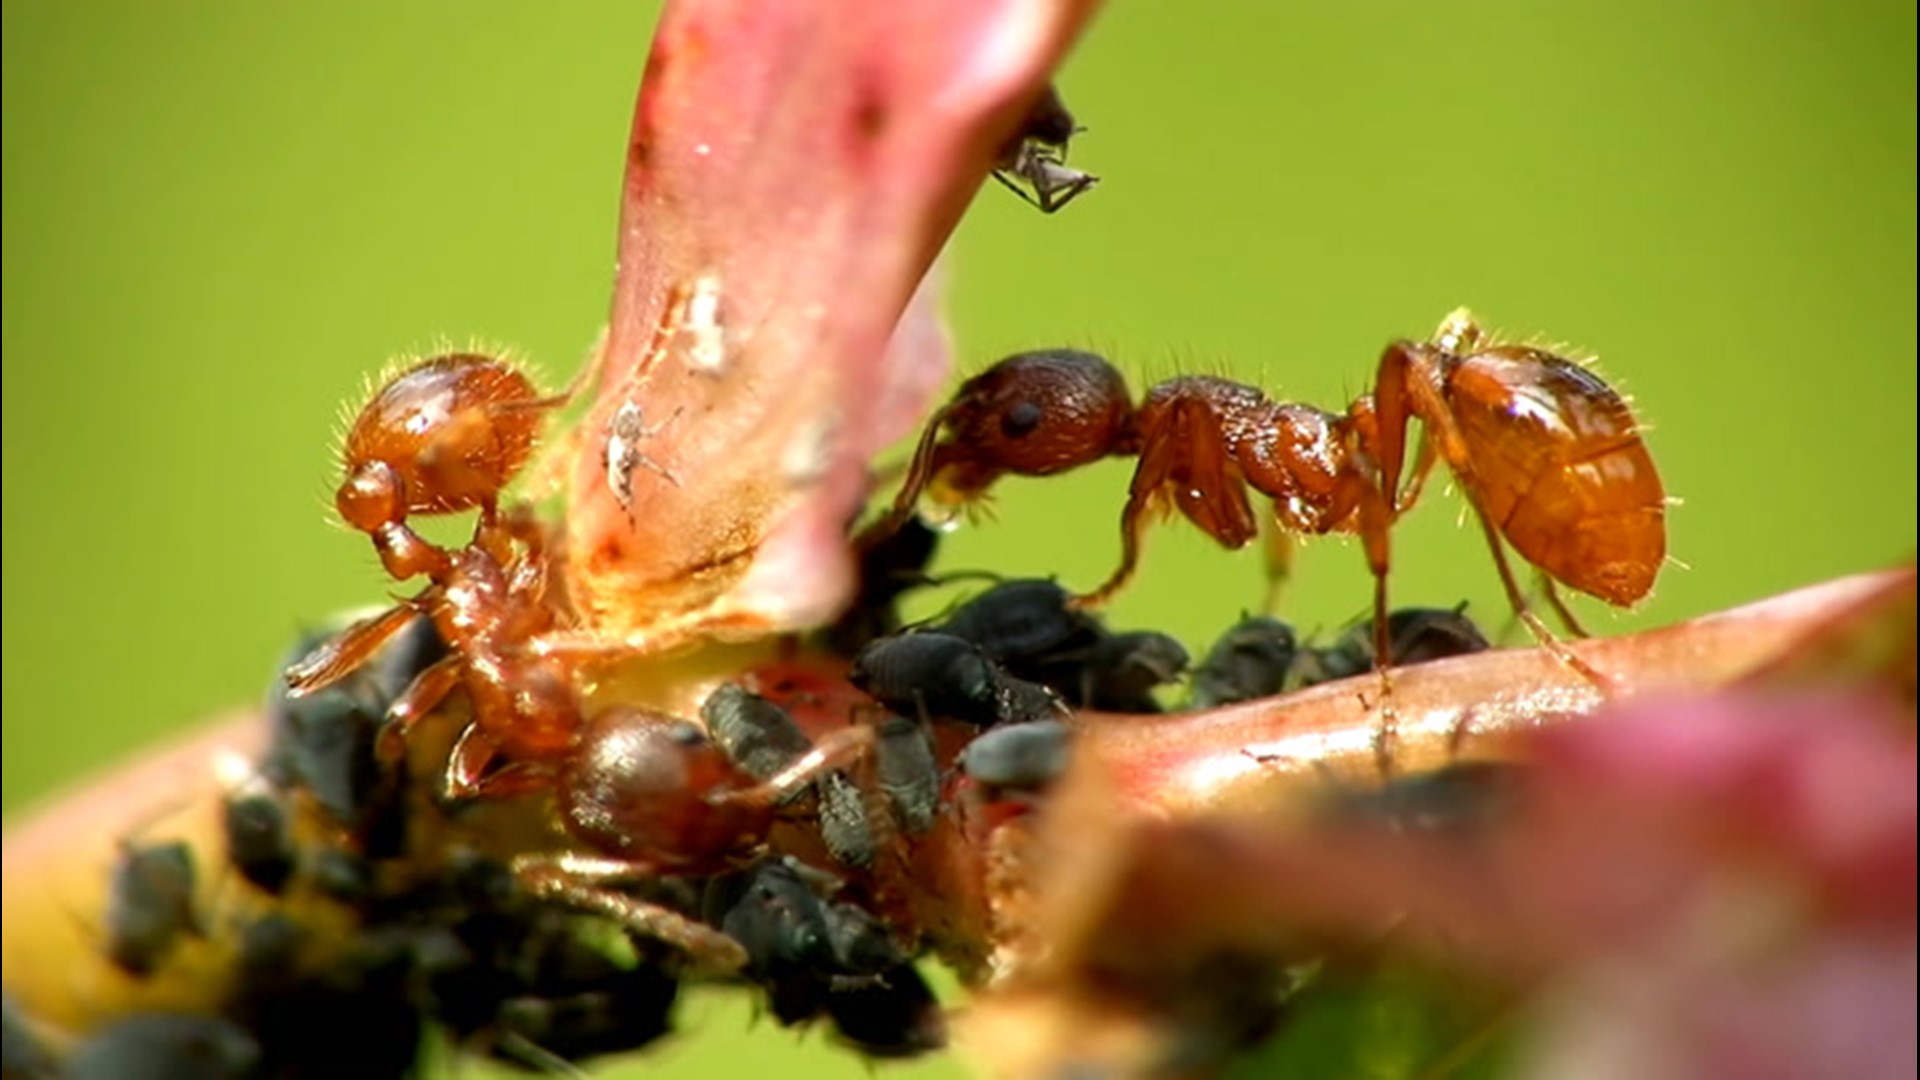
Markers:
point(220, 217)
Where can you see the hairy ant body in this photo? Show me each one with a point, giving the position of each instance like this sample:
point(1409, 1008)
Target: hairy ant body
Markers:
point(648, 793)
point(1549, 457)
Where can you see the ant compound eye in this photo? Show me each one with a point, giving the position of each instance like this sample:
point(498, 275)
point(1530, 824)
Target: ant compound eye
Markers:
point(1021, 419)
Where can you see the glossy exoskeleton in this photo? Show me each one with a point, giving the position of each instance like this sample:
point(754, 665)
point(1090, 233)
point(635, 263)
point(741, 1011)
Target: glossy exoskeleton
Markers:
point(1549, 457)
point(1023, 623)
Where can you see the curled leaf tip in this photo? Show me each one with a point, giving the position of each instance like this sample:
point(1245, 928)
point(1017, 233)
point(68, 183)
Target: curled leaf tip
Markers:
point(792, 173)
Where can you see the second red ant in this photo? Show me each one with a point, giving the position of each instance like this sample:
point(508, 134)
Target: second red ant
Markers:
point(1549, 457)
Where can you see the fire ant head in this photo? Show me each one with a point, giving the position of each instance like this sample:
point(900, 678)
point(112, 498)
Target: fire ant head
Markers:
point(648, 788)
point(445, 435)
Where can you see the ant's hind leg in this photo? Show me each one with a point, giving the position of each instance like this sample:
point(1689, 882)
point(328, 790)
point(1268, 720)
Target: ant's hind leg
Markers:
point(584, 882)
point(1560, 608)
point(1531, 621)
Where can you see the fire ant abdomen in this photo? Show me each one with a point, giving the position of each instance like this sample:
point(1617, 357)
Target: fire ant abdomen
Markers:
point(651, 789)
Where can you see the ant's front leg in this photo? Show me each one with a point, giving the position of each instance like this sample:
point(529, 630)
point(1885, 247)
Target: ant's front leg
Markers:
point(423, 695)
point(350, 649)
point(585, 882)
point(920, 473)
point(1376, 525)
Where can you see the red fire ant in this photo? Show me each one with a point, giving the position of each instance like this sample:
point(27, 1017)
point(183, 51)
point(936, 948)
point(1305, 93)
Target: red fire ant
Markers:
point(650, 793)
point(1548, 455)
point(443, 437)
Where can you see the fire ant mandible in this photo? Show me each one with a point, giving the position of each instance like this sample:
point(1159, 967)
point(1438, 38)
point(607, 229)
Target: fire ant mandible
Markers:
point(647, 792)
point(1549, 456)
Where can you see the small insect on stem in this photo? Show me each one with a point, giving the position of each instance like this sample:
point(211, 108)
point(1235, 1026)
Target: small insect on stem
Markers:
point(1033, 163)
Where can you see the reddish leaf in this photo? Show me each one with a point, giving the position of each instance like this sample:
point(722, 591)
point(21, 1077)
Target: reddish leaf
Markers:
point(793, 170)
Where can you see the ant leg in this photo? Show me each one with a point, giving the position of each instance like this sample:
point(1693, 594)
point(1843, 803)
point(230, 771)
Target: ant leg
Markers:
point(467, 777)
point(345, 652)
point(919, 474)
point(420, 698)
point(1278, 548)
point(405, 553)
point(583, 882)
point(836, 750)
point(1376, 523)
point(1525, 613)
point(1560, 608)
point(1132, 526)
point(1169, 449)
point(1423, 462)
point(1001, 175)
